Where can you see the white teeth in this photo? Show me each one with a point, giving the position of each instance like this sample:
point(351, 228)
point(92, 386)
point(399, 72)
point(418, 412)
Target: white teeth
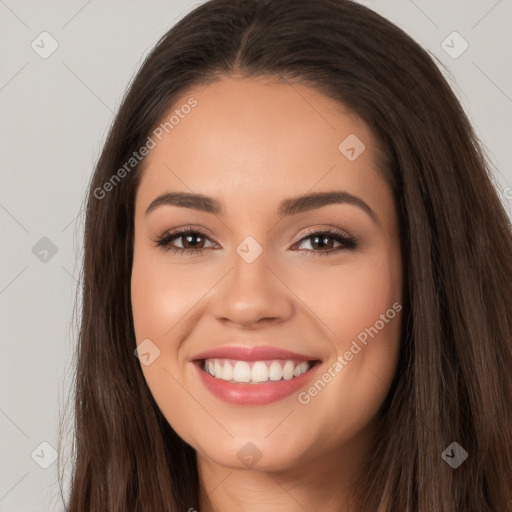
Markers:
point(227, 372)
point(217, 368)
point(259, 372)
point(304, 367)
point(275, 372)
point(288, 370)
point(242, 372)
point(254, 372)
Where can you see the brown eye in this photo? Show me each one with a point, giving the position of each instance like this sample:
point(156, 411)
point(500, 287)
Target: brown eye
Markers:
point(192, 241)
point(320, 240)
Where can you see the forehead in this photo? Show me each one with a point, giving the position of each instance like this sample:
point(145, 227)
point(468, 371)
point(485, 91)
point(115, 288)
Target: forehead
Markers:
point(260, 138)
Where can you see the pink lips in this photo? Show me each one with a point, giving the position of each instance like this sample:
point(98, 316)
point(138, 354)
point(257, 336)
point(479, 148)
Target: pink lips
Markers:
point(253, 394)
point(251, 354)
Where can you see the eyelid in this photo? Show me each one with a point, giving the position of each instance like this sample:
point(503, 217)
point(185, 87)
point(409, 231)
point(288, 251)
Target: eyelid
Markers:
point(347, 241)
point(323, 229)
point(193, 228)
point(206, 232)
point(180, 232)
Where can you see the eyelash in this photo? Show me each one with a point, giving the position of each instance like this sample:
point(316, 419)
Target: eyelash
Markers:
point(348, 242)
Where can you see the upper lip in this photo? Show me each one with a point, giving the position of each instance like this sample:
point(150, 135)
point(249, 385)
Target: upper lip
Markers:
point(251, 353)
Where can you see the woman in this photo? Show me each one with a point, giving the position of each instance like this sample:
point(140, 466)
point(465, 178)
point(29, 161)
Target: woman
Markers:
point(256, 136)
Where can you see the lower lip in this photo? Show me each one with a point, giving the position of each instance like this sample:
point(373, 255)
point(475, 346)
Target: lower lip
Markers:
point(254, 394)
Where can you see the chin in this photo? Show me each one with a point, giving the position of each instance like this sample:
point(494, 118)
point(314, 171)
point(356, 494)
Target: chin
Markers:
point(251, 453)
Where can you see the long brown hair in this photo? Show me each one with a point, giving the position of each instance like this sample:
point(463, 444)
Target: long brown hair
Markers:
point(454, 378)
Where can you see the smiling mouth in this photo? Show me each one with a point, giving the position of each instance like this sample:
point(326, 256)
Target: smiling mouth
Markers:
point(255, 372)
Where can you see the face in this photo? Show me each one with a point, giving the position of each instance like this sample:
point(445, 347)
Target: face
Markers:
point(294, 305)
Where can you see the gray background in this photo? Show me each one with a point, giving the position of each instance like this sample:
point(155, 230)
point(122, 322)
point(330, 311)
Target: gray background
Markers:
point(54, 115)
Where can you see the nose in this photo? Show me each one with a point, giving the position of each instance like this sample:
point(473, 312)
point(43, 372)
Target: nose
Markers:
point(252, 294)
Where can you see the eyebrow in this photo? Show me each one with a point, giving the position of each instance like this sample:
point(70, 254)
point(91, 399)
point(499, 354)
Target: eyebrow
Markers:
point(290, 206)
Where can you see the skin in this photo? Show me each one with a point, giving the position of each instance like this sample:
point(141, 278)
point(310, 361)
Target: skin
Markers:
point(251, 143)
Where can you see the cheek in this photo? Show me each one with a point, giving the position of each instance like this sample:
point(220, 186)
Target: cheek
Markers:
point(163, 300)
point(349, 299)
point(161, 295)
point(364, 311)
point(368, 325)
